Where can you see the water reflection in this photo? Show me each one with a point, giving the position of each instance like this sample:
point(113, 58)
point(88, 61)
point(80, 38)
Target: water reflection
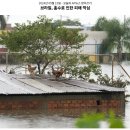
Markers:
point(33, 119)
point(53, 118)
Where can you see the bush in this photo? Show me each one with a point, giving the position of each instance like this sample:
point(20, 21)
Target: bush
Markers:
point(94, 120)
point(118, 82)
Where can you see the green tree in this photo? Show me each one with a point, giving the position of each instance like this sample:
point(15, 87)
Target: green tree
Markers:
point(2, 22)
point(118, 35)
point(42, 41)
point(67, 22)
point(100, 24)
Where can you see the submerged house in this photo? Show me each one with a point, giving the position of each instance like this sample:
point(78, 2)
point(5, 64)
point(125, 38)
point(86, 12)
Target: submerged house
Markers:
point(65, 97)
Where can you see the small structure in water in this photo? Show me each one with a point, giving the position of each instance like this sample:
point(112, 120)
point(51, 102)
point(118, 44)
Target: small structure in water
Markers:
point(68, 97)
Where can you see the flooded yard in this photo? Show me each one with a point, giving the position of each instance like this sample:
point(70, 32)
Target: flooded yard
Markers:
point(42, 119)
point(33, 119)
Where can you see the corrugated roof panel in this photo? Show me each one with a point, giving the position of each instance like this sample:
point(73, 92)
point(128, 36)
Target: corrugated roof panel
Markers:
point(11, 86)
point(91, 86)
point(40, 86)
point(107, 88)
point(63, 86)
point(11, 89)
point(23, 84)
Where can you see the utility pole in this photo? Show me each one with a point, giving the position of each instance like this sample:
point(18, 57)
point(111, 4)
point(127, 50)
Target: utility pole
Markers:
point(120, 45)
point(124, 21)
point(125, 32)
point(61, 17)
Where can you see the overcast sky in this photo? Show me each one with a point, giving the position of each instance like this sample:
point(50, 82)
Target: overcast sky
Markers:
point(23, 10)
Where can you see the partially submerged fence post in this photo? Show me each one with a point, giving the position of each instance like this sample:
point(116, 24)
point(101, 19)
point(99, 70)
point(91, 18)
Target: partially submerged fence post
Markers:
point(122, 67)
point(7, 57)
point(112, 67)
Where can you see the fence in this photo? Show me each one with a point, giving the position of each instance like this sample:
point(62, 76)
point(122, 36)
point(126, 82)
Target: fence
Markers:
point(95, 49)
point(12, 60)
point(16, 61)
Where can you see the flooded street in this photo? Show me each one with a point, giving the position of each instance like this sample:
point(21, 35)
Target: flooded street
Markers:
point(30, 119)
point(40, 119)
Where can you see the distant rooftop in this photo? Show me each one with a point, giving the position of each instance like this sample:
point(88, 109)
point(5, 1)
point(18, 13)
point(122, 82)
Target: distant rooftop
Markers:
point(8, 27)
point(74, 27)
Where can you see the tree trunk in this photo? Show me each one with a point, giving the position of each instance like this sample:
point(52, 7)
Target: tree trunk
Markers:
point(46, 64)
point(39, 68)
point(119, 52)
point(38, 65)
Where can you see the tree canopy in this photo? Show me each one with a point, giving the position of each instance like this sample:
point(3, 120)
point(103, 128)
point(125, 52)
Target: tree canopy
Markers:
point(100, 24)
point(118, 35)
point(42, 41)
point(67, 22)
point(2, 22)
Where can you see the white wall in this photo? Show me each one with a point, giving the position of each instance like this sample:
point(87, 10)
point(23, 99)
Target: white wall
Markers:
point(94, 38)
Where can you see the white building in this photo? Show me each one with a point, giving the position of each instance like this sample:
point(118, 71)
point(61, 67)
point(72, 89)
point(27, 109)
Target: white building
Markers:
point(93, 41)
